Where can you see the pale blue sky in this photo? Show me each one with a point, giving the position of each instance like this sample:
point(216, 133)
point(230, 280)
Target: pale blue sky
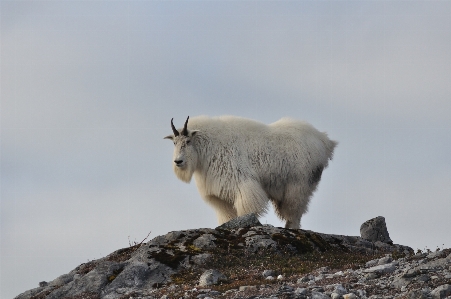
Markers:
point(88, 89)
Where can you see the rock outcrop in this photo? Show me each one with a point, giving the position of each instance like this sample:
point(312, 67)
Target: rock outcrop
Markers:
point(233, 257)
point(375, 230)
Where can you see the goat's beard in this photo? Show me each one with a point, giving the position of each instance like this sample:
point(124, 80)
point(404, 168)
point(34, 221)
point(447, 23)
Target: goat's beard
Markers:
point(184, 174)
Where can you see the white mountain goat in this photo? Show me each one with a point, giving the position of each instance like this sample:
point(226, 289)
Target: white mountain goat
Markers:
point(240, 164)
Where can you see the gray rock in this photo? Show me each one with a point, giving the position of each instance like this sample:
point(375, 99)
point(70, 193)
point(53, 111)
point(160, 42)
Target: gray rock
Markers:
point(340, 289)
point(270, 278)
point(267, 273)
point(211, 277)
point(205, 242)
point(372, 275)
point(411, 273)
point(385, 260)
point(416, 294)
point(92, 282)
point(372, 263)
point(423, 277)
point(335, 295)
point(436, 254)
point(304, 279)
point(260, 242)
point(381, 269)
point(247, 288)
point(62, 280)
point(43, 284)
point(361, 293)
point(349, 296)
point(442, 291)
point(319, 295)
point(141, 275)
point(30, 293)
point(301, 291)
point(201, 259)
point(375, 230)
point(399, 282)
point(249, 220)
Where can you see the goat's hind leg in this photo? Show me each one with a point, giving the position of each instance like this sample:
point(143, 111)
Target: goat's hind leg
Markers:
point(292, 206)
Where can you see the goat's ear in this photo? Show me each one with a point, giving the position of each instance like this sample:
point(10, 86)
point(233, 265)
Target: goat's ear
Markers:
point(171, 137)
point(193, 132)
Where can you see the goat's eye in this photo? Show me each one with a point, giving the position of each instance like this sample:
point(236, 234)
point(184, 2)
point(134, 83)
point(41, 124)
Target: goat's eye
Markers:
point(188, 141)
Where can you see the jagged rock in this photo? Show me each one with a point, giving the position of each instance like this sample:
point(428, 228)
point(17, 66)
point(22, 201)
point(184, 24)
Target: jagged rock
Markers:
point(270, 278)
point(361, 293)
point(211, 277)
point(205, 242)
point(385, 260)
point(399, 282)
point(439, 253)
point(267, 273)
point(92, 282)
point(381, 269)
point(141, 271)
point(335, 295)
point(286, 289)
point(201, 259)
point(372, 263)
point(441, 292)
point(375, 230)
point(340, 289)
point(260, 242)
point(319, 295)
point(416, 294)
point(301, 291)
point(140, 275)
point(249, 220)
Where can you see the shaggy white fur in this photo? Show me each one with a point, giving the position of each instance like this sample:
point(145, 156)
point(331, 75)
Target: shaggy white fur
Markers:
point(239, 164)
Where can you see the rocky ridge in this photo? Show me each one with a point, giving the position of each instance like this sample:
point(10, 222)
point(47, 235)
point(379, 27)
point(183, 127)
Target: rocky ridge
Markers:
point(244, 259)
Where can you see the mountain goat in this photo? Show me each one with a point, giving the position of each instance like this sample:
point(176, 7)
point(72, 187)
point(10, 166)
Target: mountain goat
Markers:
point(239, 164)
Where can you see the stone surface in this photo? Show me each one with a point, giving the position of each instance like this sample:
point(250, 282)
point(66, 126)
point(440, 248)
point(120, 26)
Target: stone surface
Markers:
point(340, 289)
point(385, 260)
point(301, 291)
point(381, 269)
point(147, 271)
point(335, 295)
point(319, 295)
point(267, 273)
point(375, 230)
point(247, 288)
point(205, 242)
point(260, 242)
point(441, 292)
point(416, 294)
point(201, 259)
point(349, 296)
point(211, 277)
point(249, 220)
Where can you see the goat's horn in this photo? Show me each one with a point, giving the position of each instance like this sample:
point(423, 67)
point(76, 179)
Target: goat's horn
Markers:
point(176, 133)
point(185, 127)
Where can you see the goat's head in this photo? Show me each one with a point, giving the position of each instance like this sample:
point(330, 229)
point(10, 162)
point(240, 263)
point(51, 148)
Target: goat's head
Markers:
point(185, 156)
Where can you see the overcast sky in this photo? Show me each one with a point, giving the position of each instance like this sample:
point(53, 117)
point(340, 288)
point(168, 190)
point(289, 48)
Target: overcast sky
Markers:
point(88, 89)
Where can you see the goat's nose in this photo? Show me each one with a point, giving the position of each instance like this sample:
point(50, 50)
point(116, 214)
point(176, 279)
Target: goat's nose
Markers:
point(178, 162)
